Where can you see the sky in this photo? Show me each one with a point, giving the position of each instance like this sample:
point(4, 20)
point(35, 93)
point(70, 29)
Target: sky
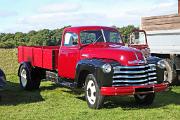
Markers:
point(26, 15)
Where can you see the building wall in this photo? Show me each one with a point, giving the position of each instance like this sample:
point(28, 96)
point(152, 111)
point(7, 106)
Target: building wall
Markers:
point(166, 22)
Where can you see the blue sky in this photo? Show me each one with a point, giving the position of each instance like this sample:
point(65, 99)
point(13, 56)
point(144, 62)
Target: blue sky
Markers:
point(26, 15)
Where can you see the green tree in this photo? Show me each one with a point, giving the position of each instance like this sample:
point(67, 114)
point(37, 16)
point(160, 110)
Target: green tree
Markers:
point(126, 31)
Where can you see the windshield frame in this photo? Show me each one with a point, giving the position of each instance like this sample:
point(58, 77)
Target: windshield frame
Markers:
point(103, 35)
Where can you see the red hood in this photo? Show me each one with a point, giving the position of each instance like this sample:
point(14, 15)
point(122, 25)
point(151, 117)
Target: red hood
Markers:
point(124, 55)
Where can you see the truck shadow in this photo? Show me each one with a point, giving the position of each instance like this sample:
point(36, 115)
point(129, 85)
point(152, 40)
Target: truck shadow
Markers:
point(13, 95)
point(128, 103)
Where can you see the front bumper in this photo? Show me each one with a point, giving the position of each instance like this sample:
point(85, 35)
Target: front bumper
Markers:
point(131, 90)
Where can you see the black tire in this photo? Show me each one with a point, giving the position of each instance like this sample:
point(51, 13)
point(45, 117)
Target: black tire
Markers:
point(144, 99)
point(2, 76)
point(178, 77)
point(171, 72)
point(29, 78)
point(94, 98)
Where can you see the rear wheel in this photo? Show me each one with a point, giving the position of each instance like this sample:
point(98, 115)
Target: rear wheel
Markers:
point(92, 93)
point(29, 78)
point(144, 99)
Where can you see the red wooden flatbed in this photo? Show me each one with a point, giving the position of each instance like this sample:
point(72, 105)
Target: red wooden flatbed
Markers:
point(44, 57)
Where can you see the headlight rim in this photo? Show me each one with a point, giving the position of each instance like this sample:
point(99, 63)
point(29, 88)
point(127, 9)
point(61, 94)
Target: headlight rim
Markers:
point(105, 69)
point(161, 64)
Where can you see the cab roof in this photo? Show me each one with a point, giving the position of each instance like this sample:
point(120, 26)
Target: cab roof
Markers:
point(84, 28)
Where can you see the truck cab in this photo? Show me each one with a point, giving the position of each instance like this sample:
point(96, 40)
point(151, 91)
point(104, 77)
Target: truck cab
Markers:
point(93, 58)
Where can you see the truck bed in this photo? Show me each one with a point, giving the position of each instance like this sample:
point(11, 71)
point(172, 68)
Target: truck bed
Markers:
point(44, 57)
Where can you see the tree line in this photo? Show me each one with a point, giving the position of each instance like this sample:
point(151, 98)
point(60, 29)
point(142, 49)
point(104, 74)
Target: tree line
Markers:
point(43, 37)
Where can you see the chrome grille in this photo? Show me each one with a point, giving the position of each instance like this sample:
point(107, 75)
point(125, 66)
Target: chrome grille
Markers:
point(134, 75)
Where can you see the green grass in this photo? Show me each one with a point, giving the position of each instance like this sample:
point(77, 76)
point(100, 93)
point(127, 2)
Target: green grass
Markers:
point(58, 103)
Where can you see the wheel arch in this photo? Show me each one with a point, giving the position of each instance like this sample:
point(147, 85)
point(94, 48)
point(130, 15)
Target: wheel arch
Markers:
point(93, 66)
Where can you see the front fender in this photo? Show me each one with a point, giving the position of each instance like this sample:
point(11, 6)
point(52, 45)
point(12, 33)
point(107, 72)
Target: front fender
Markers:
point(153, 60)
point(93, 66)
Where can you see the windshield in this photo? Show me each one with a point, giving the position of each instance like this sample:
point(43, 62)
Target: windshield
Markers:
point(88, 37)
point(138, 38)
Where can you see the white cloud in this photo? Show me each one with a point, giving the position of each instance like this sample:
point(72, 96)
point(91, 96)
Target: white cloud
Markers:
point(58, 15)
point(56, 8)
point(55, 20)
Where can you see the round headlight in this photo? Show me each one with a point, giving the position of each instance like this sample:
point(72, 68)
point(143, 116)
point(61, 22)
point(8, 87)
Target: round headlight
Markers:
point(161, 64)
point(106, 68)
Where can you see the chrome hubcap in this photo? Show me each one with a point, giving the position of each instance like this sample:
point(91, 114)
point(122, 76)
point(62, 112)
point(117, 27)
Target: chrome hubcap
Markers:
point(141, 96)
point(23, 78)
point(91, 92)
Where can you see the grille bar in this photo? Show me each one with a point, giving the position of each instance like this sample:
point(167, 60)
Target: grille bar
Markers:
point(134, 72)
point(135, 84)
point(132, 76)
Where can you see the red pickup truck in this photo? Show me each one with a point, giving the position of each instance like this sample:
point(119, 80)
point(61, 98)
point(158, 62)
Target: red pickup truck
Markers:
point(93, 58)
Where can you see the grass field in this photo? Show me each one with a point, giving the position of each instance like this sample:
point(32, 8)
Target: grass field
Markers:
point(52, 102)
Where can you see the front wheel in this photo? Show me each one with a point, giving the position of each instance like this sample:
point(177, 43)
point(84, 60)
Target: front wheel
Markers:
point(92, 93)
point(144, 99)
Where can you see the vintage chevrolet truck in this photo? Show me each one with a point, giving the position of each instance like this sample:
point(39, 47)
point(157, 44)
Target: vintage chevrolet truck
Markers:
point(96, 59)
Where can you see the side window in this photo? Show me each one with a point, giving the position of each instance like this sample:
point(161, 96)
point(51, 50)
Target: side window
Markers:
point(87, 37)
point(71, 39)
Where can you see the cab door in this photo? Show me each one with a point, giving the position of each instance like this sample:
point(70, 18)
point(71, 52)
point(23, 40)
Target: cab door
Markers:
point(68, 56)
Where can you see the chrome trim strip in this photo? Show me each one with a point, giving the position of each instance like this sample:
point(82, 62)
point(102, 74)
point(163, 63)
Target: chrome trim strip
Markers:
point(130, 81)
point(150, 74)
point(134, 72)
point(133, 67)
point(151, 78)
point(149, 83)
point(127, 76)
point(133, 76)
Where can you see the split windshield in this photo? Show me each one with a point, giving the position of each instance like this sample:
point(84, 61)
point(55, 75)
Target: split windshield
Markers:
point(88, 37)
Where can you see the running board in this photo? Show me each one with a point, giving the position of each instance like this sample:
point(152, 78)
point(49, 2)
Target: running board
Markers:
point(52, 76)
point(66, 83)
